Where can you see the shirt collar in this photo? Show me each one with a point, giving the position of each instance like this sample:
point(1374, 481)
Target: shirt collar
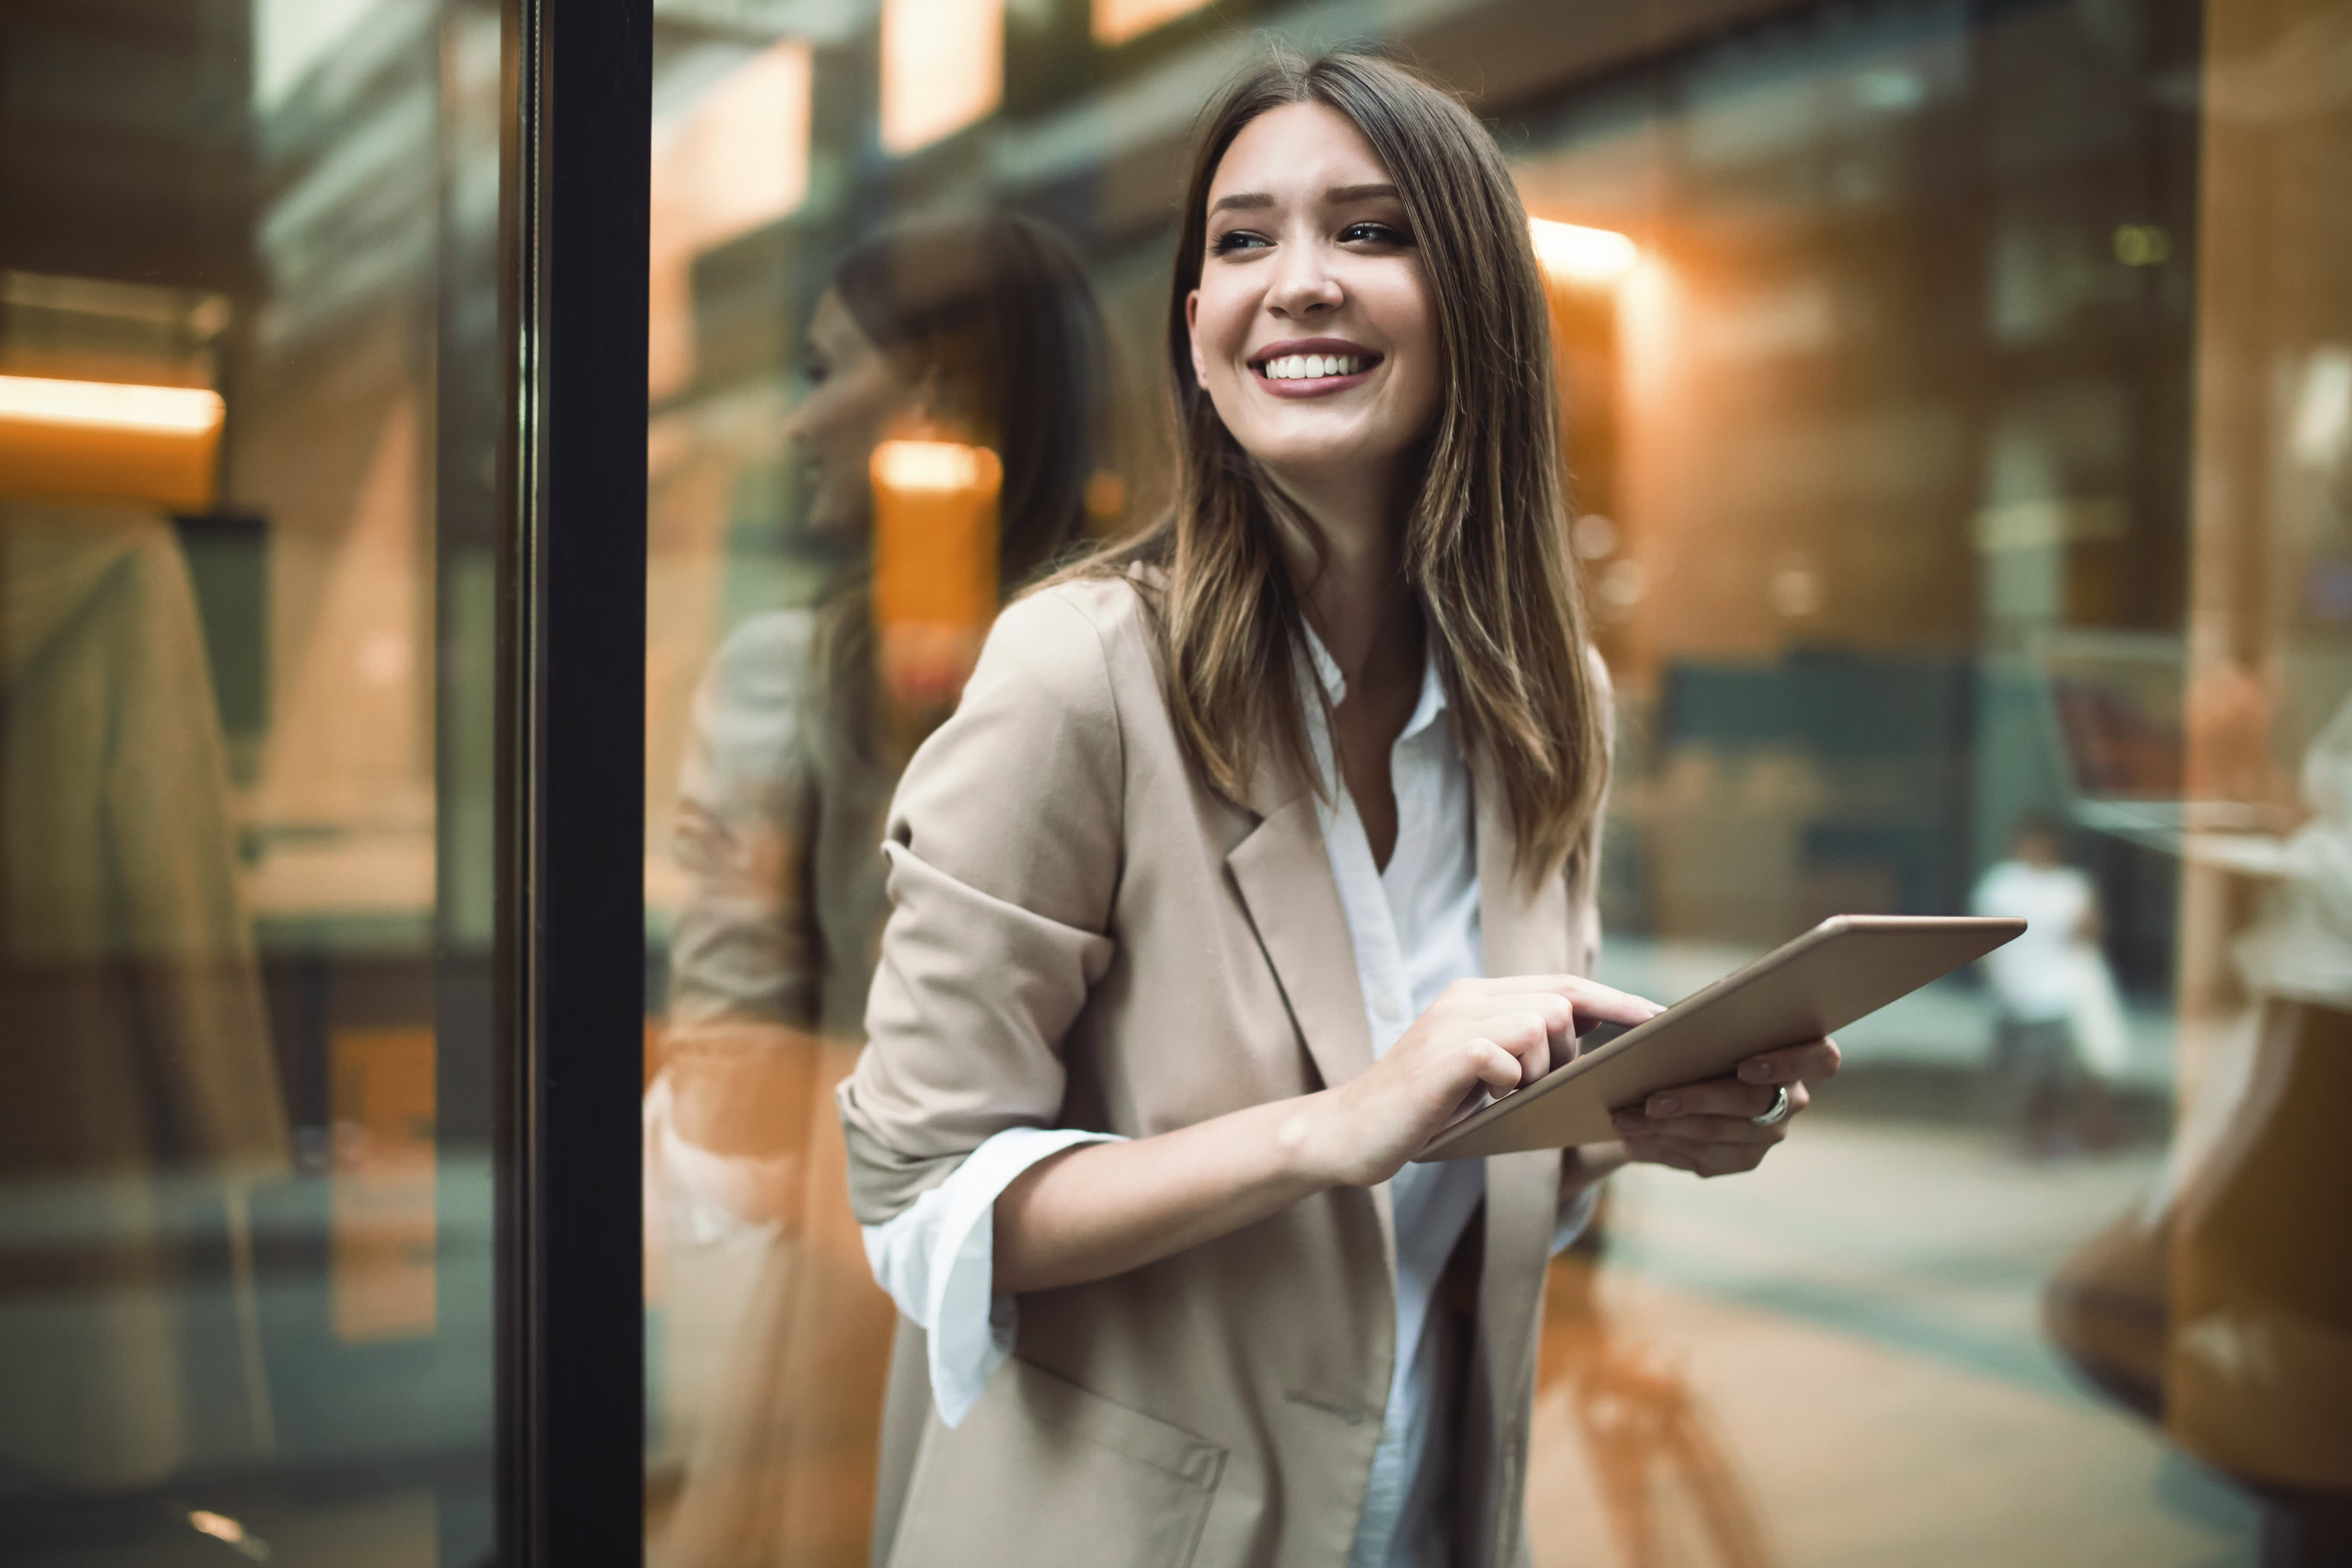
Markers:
point(1334, 684)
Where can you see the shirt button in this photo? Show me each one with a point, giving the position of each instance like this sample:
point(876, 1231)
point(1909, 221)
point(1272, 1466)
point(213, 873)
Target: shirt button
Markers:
point(1392, 1007)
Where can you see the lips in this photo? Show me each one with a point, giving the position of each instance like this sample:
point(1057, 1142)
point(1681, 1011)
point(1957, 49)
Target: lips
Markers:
point(1309, 365)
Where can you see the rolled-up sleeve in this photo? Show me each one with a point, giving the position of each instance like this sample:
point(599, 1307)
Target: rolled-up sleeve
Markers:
point(938, 1261)
point(1005, 849)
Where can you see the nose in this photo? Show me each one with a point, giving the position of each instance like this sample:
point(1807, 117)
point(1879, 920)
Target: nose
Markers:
point(804, 419)
point(1303, 285)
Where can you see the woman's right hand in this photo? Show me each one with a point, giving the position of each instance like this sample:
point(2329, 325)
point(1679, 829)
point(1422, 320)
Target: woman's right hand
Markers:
point(1481, 1036)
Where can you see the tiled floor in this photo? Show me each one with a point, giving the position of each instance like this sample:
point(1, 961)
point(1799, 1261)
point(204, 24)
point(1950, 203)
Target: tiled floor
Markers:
point(1836, 1361)
point(1848, 1341)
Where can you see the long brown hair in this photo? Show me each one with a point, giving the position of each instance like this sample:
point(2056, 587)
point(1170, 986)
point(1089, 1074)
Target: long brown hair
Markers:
point(1484, 548)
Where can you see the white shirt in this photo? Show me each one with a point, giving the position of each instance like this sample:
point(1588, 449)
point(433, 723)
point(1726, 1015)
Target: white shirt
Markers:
point(2032, 976)
point(1416, 931)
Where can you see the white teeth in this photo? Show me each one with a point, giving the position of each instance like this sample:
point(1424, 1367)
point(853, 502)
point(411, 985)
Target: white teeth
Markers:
point(1309, 367)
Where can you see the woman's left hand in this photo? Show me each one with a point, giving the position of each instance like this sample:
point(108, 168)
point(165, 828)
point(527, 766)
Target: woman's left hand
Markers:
point(1709, 1128)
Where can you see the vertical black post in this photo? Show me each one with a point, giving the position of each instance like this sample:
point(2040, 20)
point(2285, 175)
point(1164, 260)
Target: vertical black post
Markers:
point(572, 1363)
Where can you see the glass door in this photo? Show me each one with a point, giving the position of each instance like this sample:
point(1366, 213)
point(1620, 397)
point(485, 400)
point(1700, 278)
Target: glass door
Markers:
point(250, 434)
point(314, 951)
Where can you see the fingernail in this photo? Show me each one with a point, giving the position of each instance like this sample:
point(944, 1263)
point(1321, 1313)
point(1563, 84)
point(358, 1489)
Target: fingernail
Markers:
point(1664, 1106)
point(1756, 1071)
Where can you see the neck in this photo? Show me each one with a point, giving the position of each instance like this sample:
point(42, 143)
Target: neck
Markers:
point(1353, 595)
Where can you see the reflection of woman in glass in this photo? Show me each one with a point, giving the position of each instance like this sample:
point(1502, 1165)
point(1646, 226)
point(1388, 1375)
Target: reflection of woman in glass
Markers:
point(977, 338)
point(1192, 899)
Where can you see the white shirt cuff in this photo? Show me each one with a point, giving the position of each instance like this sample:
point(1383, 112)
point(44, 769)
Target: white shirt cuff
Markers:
point(938, 1261)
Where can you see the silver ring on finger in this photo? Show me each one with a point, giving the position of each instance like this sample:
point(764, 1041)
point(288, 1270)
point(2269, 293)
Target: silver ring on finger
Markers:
point(1779, 1111)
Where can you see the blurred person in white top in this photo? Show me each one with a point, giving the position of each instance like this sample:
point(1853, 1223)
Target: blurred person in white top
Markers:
point(2038, 983)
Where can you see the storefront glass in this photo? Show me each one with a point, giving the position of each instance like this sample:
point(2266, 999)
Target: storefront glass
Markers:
point(1959, 409)
point(249, 425)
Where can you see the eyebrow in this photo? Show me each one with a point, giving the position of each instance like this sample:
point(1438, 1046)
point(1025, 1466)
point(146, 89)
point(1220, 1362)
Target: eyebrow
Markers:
point(1337, 194)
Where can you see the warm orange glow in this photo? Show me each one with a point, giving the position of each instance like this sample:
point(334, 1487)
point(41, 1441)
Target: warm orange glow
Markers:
point(902, 465)
point(1116, 21)
point(1572, 254)
point(734, 159)
point(935, 584)
point(106, 406)
point(381, 1213)
point(219, 1526)
point(942, 68)
point(738, 156)
point(105, 440)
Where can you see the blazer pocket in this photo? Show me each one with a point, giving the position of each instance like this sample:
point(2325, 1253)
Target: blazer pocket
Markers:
point(1044, 1471)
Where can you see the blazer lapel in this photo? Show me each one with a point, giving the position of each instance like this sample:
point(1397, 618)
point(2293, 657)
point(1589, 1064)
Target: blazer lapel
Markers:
point(1284, 875)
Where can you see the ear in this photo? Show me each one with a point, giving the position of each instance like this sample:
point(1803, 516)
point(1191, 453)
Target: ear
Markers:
point(1192, 331)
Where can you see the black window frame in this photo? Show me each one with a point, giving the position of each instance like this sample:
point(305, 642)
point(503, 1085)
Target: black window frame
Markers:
point(575, 167)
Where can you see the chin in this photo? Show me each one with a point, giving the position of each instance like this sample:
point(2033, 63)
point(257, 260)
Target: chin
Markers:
point(1321, 452)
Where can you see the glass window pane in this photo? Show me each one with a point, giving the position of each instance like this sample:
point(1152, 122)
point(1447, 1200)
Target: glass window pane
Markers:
point(248, 417)
point(1956, 412)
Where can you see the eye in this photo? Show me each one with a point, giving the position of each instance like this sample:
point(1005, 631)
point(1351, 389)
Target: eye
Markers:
point(1369, 232)
point(1238, 239)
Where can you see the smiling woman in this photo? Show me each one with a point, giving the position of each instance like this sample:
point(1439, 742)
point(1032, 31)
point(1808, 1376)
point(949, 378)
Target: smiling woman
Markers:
point(1317, 235)
point(1258, 851)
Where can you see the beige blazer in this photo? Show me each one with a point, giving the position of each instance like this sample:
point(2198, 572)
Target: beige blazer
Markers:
point(1083, 933)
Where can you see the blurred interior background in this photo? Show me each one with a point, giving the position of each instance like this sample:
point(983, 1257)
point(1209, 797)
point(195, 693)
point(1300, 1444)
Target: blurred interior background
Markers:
point(1958, 397)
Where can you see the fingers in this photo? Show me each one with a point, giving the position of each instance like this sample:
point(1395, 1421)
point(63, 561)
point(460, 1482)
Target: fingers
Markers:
point(1526, 1036)
point(1717, 1097)
point(1696, 1157)
point(1708, 1129)
point(1816, 1059)
point(1496, 1067)
point(1592, 1001)
point(1559, 1016)
point(1719, 1110)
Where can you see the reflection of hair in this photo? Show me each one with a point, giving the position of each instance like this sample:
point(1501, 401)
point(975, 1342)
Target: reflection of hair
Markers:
point(1484, 542)
point(995, 314)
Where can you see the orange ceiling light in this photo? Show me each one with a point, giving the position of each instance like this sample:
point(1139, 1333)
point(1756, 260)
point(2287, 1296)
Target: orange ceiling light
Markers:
point(935, 583)
point(942, 69)
point(1116, 21)
point(1573, 254)
point(67, 440)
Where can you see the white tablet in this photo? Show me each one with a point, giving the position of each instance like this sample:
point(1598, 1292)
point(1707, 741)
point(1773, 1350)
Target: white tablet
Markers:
point(1847, 966)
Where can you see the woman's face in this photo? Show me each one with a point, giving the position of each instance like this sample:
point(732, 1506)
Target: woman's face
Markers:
point(855, 397)
point(1312, 329)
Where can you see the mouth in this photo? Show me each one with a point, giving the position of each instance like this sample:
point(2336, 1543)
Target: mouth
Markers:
point(1314, 366)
